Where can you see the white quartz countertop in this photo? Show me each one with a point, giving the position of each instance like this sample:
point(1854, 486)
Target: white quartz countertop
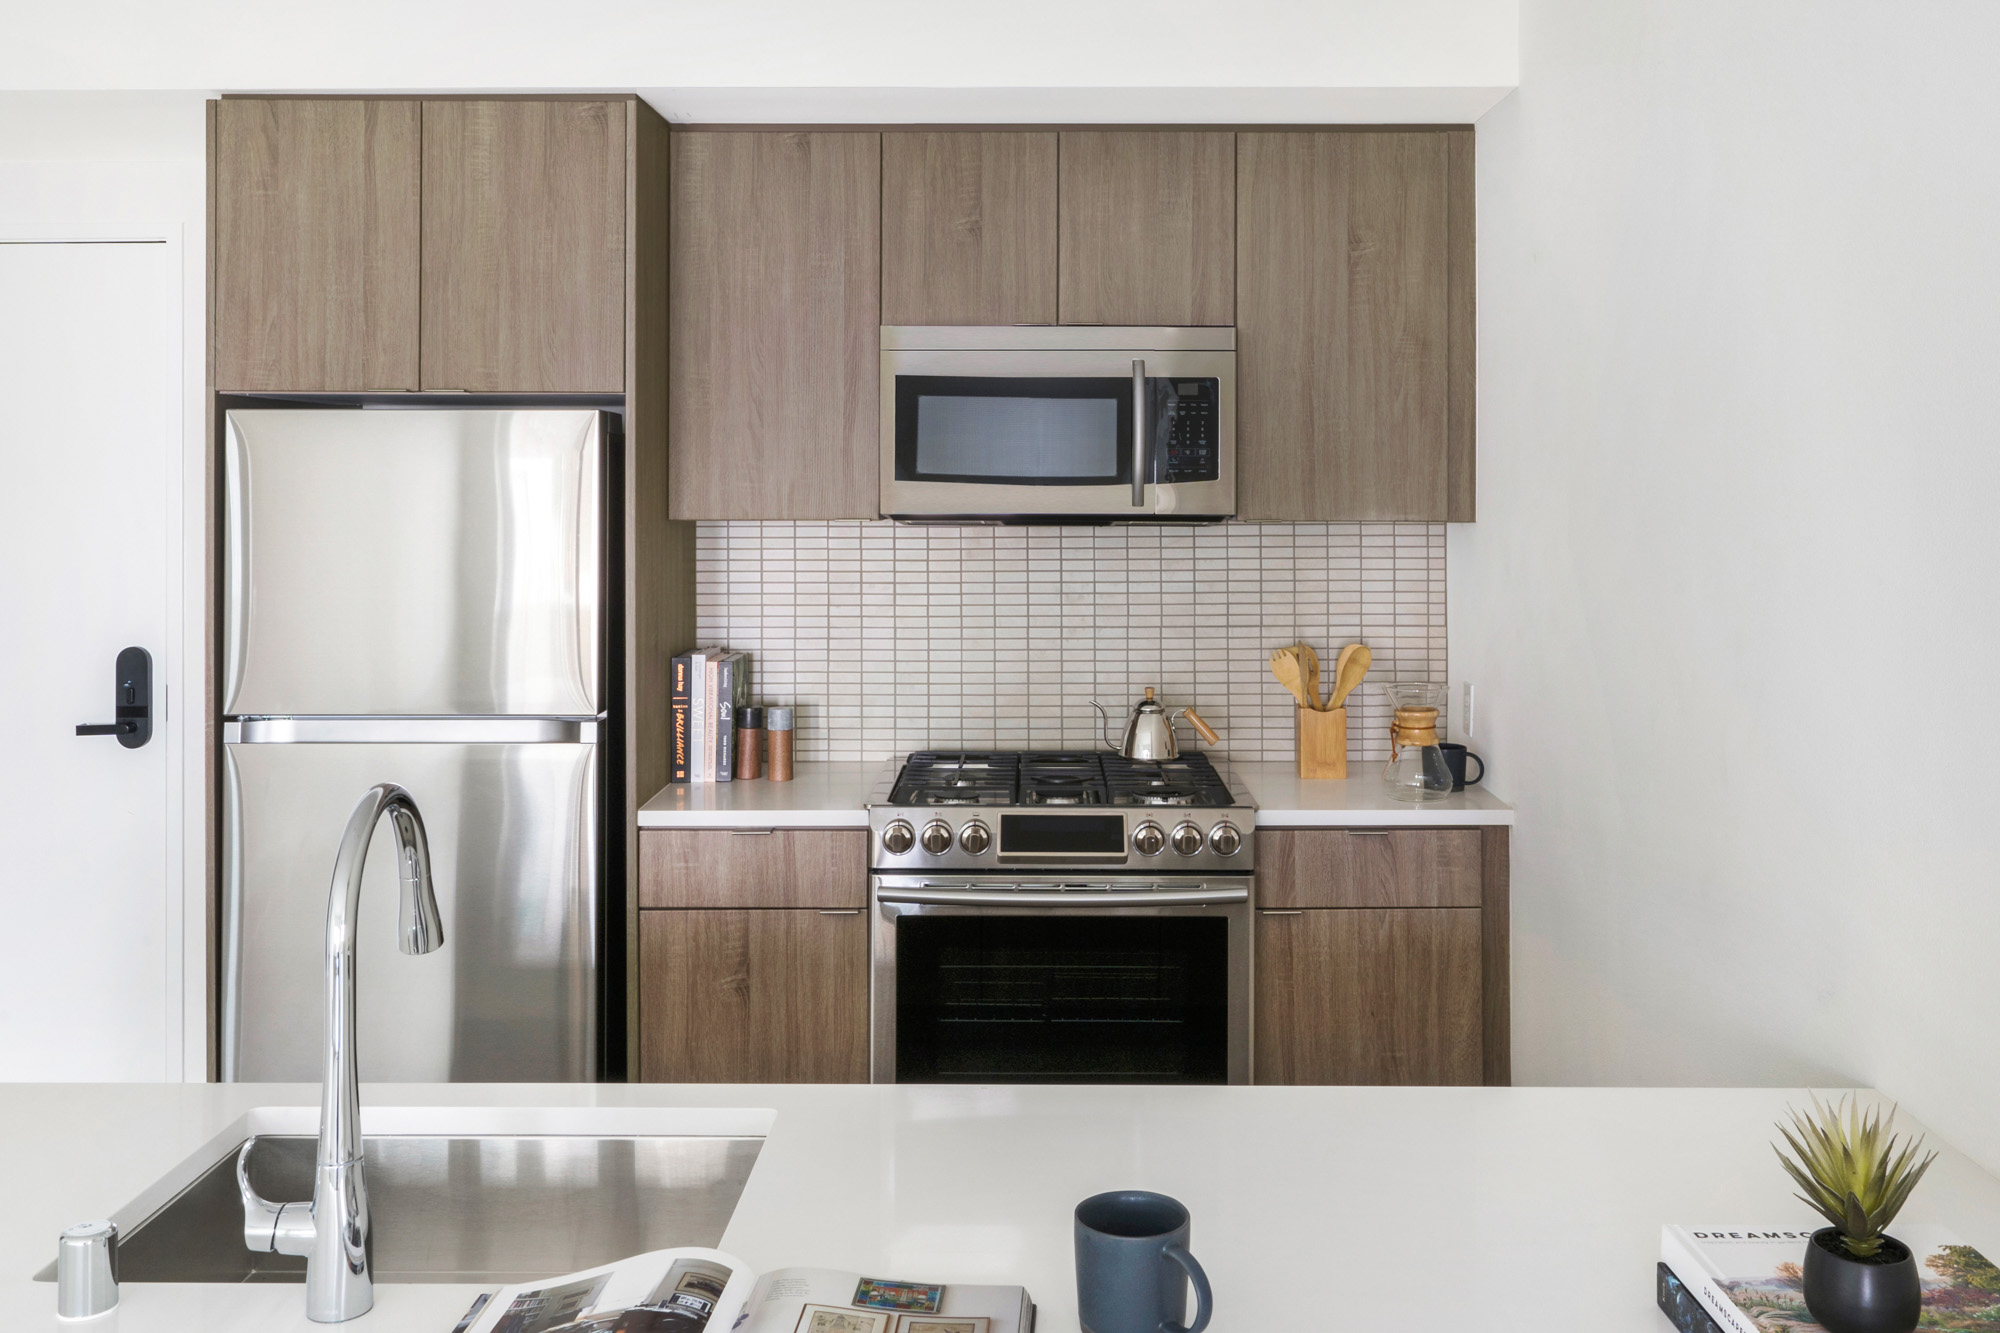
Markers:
point(1360, 1209)
point(835, 795)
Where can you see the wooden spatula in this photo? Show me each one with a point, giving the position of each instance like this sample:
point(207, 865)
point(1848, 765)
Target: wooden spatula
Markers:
point(1286, 667)
point(1348, 669)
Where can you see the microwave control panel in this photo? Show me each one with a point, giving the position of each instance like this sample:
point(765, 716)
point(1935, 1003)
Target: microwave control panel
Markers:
point(1186, 438)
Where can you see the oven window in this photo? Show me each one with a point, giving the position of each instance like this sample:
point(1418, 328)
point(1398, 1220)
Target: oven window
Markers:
point(1054, 431)
point(1061, 999)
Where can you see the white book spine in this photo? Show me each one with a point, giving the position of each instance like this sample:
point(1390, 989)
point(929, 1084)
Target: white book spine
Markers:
point(1678, 1252)
point(697, 715)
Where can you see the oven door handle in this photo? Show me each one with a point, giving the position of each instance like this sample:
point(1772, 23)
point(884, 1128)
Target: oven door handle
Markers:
point(1082, 898)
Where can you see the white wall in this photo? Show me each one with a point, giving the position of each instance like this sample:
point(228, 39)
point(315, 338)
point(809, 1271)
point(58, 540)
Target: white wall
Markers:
point(1176, 60)
point(96, 165)
point(1729, 605)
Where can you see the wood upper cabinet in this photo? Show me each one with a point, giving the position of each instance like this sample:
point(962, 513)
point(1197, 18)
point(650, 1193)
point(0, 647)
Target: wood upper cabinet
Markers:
point(774, 354)
point(524, 246)
point(753, 996)
point(1354, 325)
point(968, 227)
point(316, 242)
point(1369, 995)
point(1148, 227)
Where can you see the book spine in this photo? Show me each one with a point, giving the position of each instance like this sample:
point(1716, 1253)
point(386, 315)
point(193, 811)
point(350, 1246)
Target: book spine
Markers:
point(710, 686)
point(725, 729)
point(1679, 1253)
point(1678, 1304)
point(679, 699)
point(697, 715)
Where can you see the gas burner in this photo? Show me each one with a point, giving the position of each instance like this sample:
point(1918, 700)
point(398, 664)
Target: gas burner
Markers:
point(1063, 796)
point(1056, 777)
point(1165, 798)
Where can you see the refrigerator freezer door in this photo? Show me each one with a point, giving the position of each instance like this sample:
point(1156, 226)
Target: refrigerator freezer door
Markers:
point(512, 994)
point(416, 561)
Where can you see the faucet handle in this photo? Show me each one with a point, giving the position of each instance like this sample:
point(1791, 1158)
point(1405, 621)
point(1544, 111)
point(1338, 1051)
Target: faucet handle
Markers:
point(271, 1228)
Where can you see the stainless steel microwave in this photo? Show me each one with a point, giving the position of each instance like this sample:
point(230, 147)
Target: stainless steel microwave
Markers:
point(1058, 423)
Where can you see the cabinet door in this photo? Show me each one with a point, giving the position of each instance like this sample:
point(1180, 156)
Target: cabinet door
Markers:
point(773, 360)
point(770, 996)
point(524, 247)
point(1148, 227)
point(315, 244)
point(968, 228)
point(1368, 995)
point(1353, 326)
point(1368, 867)
point(739, 868)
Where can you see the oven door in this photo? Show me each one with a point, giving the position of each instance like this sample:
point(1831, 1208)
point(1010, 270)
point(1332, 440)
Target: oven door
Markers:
point(1084, 432)
point(975, 982)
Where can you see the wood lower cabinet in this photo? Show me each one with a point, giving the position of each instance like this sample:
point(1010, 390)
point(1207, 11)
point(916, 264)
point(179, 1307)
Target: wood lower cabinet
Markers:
point(773, 372)
point(1354, 325)
point(524, 246)
point(1381, 957)
point(969, 227)
point(316, 226)
point(823, 868)
point(1148, 227)
point(753, 995)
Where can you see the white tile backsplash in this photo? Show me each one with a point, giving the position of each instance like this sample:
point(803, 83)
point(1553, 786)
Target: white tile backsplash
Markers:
point(889, 638)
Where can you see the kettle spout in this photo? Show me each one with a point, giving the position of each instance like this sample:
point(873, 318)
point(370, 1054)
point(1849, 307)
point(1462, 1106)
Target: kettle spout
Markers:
point(1103, 725)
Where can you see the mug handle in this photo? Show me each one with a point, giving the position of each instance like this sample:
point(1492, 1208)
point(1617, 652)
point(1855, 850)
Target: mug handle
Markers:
point(1472, 758)
point(1204, 1301)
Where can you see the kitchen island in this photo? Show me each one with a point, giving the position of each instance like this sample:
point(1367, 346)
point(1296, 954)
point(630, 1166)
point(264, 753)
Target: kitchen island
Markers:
point(1335, 1208)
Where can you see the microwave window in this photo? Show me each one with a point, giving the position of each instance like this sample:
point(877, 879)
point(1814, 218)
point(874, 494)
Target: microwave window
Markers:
point(1050, 431)
point(1017, 437)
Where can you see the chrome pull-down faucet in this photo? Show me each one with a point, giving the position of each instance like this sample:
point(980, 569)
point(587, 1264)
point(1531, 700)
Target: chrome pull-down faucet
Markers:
point(332, 1232)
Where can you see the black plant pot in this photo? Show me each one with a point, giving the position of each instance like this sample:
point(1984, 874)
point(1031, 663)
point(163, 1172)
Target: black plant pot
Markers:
point(1850, 1295)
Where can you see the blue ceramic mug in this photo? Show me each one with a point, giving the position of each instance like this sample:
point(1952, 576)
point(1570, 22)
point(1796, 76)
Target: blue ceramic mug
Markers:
point(1133, 1265)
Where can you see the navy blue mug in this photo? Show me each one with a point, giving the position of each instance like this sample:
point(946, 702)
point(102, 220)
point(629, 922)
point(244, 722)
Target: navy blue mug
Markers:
point(1133, 1265)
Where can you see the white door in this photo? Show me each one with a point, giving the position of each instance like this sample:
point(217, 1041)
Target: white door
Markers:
point(90, 345)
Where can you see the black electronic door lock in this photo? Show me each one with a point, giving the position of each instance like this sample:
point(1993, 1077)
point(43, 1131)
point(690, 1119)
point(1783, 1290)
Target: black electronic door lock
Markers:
point(134, 726)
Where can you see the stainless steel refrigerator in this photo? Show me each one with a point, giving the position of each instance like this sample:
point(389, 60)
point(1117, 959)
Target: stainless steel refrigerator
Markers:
point(420, 596)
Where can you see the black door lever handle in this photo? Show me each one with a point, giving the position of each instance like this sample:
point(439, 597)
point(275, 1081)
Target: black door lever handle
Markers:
point(134, 726)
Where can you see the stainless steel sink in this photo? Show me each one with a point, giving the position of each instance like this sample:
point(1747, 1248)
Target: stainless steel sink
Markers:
point(489, 1201)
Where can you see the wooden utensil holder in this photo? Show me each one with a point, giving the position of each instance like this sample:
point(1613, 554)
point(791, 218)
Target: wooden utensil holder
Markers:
point(1322, 743)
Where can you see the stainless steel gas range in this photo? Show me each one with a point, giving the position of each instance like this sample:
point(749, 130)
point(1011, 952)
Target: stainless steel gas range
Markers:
point(1060, 917)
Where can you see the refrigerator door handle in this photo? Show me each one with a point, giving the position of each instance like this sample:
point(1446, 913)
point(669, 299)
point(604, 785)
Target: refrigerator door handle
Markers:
point(410, 730)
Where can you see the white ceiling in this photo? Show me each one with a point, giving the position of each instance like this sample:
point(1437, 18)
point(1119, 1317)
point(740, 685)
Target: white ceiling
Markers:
point(777, 60)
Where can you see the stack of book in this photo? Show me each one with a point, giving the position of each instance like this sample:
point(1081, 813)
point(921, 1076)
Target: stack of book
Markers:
point(1751, 1280)
point(708, 685)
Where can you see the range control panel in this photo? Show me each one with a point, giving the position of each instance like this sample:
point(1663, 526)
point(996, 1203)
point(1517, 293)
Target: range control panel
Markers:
point(1165, 840)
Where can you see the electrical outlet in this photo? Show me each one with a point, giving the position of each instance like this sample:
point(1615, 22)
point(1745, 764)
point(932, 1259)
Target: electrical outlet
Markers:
point(1465, 713)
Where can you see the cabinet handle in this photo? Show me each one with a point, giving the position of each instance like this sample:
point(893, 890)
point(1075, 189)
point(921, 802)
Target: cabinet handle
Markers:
point(751, 832)
point(1368, 833)
point(845, 911)
point(1280, 911)
point(1138, 434)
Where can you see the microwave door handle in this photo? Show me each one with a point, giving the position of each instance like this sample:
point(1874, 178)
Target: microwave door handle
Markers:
point(1138, 434)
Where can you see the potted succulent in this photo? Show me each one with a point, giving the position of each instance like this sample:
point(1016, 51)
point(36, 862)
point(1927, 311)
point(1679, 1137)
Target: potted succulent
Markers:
point(1854, 1174)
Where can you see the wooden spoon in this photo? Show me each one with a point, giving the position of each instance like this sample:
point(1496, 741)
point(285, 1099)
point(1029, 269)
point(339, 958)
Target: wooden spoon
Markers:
point(1311, 660)
point(1348, 669)
point(1285, 666)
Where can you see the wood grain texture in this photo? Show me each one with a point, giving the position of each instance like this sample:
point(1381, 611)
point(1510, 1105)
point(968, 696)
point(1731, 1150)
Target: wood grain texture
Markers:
point(785, 868)
point(1461, 400)
point(1398, 868)
point(1343, 326)
point(1320, 739)
point(753, 997)
point(524, 246)
point(1148, 227)
point(775, 355)
point(1496, 956)
point(1369, 996)
point(968, 228)
point(315, 233)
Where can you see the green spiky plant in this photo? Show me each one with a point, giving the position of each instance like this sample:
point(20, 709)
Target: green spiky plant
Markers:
point(1852, 1169)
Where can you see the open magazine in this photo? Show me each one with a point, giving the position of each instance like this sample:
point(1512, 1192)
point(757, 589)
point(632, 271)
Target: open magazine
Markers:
point(707, 1291)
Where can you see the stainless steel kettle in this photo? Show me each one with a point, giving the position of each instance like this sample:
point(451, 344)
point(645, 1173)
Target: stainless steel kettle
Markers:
point(1149, 732)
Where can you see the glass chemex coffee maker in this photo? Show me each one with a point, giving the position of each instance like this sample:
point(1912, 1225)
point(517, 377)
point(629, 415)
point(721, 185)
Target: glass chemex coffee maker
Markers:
point(1416, 770)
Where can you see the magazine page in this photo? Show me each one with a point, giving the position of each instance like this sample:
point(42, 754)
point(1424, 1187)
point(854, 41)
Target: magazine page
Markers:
point(666, 1291)
point(821, 1300)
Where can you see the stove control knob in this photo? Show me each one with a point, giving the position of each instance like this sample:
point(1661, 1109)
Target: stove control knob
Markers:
point(1186, 839)
point(1149, 839)
point(975, 838)
point(937, 837)
point(898, 837)
point(1225, 839)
